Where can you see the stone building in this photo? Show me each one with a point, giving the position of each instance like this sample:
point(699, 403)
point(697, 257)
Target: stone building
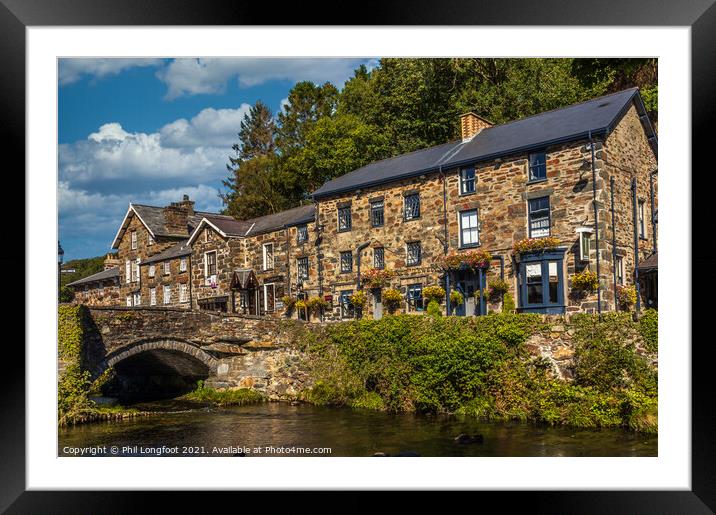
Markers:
point(534, 202)
point(248, 266)
point(100, 289)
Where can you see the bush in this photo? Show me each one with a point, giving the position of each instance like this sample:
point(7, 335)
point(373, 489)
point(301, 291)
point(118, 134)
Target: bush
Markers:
point(433, 293)
point(508, 304)
point(238, 397)
point(434, 309)
point(392, 299)
point(649, 329)
point(67, 294)
point(456, 298)
point(288, 303)
point(626, 296)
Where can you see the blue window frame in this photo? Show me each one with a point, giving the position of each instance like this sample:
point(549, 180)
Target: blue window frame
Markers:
point(469, 229)
point(344, 219)
point(344, 299)
point(412, 206)
point(346, 262)
point(415, 297)
point(538, 166)
point(377, 218)
point(539, 217)
point(379, 258)
point(541, 282)
point(302, 233)
point(468, 180)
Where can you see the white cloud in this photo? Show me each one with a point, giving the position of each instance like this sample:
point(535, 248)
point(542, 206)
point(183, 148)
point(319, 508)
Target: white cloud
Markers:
point(211, 127)
point(191, 76)
point(71, 70)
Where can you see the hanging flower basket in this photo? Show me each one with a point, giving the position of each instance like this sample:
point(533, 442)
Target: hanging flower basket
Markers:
point(498, 287)
point(472, 259)
point(377, 278)
point(535, 244)
point(626, 296)
point(585, 281)
point(434, 293)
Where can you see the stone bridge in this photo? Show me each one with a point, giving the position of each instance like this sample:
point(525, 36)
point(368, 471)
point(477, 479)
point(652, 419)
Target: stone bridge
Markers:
point(169, 349)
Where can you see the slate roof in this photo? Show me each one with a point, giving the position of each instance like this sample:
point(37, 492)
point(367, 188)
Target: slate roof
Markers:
point(99, 276)
point(650, 263)
point(175, 251)
point(289, 218)
point(598, 116)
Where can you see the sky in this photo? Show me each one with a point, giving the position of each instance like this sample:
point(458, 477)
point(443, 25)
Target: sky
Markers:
point(148, 131)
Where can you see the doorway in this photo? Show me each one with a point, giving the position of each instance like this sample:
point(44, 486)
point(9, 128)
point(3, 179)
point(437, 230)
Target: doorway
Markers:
point(471, 284)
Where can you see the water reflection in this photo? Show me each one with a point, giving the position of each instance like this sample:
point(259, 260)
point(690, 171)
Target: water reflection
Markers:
point(346, 432)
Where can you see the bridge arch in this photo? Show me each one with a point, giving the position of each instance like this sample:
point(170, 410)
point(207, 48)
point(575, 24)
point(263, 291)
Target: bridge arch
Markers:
point(155, 368)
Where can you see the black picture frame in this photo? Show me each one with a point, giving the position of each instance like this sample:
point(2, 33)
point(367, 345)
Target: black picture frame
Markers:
point(16, 15)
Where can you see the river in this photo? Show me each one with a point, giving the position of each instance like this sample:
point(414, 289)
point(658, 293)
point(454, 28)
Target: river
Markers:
point(280, 429)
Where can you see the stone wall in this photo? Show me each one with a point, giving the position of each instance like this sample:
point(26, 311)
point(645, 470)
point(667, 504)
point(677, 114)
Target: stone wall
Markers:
point(104, 293)
point(229, 256)
point(173, 279)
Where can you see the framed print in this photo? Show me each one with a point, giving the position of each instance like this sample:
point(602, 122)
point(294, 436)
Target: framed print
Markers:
point(285, 252)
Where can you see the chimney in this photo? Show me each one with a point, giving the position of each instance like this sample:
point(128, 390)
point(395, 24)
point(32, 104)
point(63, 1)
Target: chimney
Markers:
point(471, 124)
point(111, 261)
point(176, 216)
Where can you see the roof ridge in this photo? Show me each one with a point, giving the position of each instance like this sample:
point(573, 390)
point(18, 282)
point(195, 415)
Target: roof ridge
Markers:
point(563, 107)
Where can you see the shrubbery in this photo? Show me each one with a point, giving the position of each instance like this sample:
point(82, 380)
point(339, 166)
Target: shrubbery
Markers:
point(238, 397)
point(480, 367)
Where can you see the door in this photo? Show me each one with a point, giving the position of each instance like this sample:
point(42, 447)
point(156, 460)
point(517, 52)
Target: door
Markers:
point(377, 304)
point(470, 284)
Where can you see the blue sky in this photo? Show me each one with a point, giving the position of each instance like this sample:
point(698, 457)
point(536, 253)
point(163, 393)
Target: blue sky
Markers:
point(150, 130)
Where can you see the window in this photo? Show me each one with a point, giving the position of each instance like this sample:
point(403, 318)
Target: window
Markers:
point(269, 297)
point(152, 296)
point(183, 292)
point(182, 264)
point(379, 258)
point(129, 301)
point(469, 231)
point(127, 272)
point(642, 226)
point(619, 265)
point(135, 271)
point(415, 297)
point(302, 233)
point(344, 300)
point(137, 298)
point(210, 267)
point(134, 240)
point(538, 166)
point(167, 295)
point(302, 268)
point(150, 240)
point(585, 244)
point(167, 267)
point(346, 262)
point(539, 219)
point(152, 270)
point(268, 256)
point(411, 206)
point(377, 217)
point(413, 254)
point(467, 181)
point(344, 218)
point(541, 283)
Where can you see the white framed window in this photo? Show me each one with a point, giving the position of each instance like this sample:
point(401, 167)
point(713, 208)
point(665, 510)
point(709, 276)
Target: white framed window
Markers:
point(152, 296)
point(167, 267)
point(469, 229)
point(128, 272)
point(182, 264)
point(183, 292)
point(167, 294)
point(135, 271)
point(642, 225)
point(268, 256)
point(619, 265)
point(585, 243)
point(129, 301)
point(210, 267)
point(414, 253)
point(152, 270)
point(137, 298)
point(269, 297)
point(302, 268)
point(134, 240)
point(150, 240)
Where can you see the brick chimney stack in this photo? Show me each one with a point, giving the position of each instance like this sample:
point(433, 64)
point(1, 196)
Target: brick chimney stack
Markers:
point(111, 261)
point(471, 124)
point(176, 216)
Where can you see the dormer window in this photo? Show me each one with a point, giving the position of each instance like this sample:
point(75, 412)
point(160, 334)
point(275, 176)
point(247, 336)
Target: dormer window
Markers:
point(537, 166)
point(302, 233)
point(468, 180)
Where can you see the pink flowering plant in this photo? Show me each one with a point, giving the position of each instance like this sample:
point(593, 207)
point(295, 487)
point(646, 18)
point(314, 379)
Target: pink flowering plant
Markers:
point(532, 244)
point(498, 287)
point(377, 278)
point(474, 259)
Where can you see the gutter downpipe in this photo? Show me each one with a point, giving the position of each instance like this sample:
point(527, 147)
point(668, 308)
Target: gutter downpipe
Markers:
point(448, 307)
point(614, 244)
point(636, 246)
point(358, 251)
point(319, 261)
point(653, 217)
point(596, 224)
